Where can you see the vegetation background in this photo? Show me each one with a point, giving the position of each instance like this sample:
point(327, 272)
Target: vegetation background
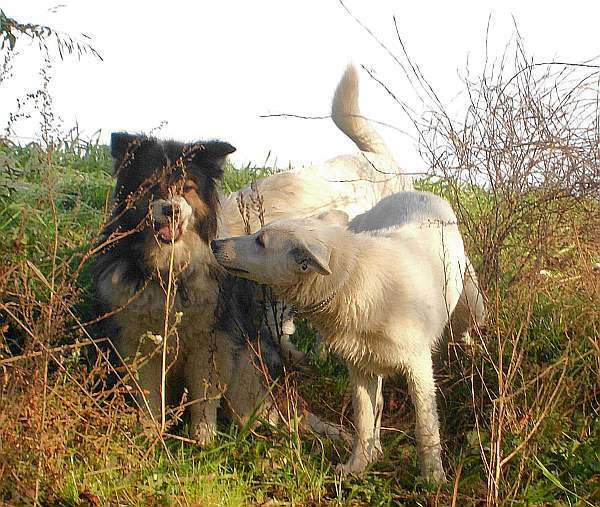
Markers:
point(520, 410)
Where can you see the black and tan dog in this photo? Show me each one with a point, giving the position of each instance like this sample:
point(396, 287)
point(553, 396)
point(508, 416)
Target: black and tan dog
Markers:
point(158, 279)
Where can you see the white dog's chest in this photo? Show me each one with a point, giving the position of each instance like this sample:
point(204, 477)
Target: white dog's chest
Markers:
point(371, 353)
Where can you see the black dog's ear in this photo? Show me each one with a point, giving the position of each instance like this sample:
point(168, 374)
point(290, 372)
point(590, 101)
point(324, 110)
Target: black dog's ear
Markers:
point(217, 151)
point(219, 148)
point(120, 143)
point(212, 157)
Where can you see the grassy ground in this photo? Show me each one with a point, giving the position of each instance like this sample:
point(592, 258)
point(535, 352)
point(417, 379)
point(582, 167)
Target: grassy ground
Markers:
point(520, 421)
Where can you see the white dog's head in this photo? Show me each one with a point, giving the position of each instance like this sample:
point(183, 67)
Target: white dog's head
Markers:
point(282, 252)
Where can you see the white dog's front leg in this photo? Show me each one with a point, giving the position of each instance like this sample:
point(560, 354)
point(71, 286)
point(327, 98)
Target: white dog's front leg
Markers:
point(422, 391)
point(366, 394)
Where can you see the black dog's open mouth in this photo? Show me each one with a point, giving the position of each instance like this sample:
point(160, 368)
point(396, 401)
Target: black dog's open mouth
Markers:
point(166, 234)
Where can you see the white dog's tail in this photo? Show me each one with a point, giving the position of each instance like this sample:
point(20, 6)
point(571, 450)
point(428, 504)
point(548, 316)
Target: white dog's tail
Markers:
point(345, 113)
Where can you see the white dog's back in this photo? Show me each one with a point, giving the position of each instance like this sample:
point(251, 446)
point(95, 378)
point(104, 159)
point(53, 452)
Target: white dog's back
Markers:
point(412, 257)
point(426, 231)
point(406, 207)
point(403, 208)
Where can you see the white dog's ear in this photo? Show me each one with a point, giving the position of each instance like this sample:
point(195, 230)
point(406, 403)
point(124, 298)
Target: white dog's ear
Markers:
point(314, 256)
point(334, 217)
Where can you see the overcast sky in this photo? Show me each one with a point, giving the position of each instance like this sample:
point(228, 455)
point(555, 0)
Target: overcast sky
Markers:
point(211, 69)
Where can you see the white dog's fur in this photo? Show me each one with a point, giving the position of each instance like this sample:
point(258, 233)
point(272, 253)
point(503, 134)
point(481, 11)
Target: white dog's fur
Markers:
point(352, 183)
point(381, 300)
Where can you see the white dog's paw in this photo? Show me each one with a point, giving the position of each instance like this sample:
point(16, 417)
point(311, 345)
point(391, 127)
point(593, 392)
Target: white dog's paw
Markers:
point(360, 459)
point(352, 466)
point(356, 464)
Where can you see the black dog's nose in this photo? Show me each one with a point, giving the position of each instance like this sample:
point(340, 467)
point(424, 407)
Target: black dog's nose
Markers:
point(170, 210)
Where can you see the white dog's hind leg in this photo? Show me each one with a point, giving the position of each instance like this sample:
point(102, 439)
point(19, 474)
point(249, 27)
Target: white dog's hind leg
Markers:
point(366, 392)
point(422, 391)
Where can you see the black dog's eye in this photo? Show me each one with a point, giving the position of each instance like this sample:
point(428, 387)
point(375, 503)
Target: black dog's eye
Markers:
point(260, 241)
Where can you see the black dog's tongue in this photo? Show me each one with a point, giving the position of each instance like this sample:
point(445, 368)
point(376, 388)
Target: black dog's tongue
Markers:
point(166, 232)
point(168, 235)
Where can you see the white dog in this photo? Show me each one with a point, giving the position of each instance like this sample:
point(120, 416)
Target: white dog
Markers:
point(352, 183)
point(381, 300)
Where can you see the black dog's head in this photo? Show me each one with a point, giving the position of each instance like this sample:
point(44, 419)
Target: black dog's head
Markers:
point(165, 200)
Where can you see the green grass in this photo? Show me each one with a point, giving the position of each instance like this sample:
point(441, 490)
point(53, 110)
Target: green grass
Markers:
point(56, 203)
point(235, 179)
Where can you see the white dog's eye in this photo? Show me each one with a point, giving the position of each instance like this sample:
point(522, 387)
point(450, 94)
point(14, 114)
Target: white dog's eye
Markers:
point(259, 241)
